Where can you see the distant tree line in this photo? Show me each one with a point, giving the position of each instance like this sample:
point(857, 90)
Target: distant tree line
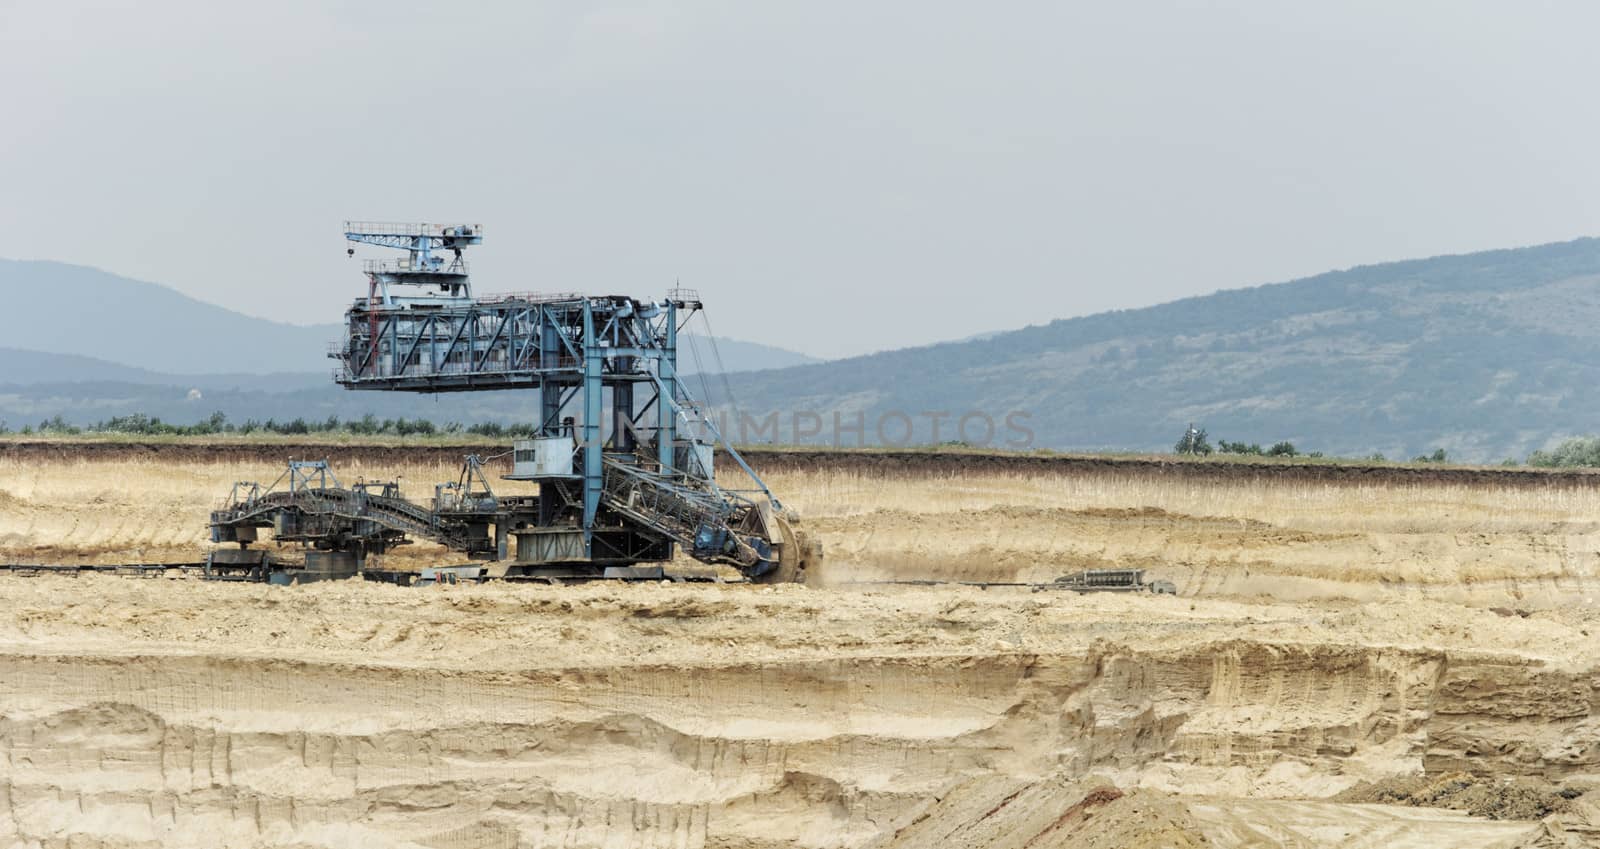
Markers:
point(1276, 449)
point(217, 423)
point(1196, 441)
point(1577, 452)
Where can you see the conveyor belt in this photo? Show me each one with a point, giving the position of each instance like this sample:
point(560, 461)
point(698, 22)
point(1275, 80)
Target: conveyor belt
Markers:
point(676, 512)
point(393, 513)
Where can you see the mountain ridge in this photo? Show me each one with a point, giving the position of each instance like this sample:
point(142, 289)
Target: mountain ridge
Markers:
point(136, 324)
point(145, 325)
point(1487, 355)
point(1378, 357)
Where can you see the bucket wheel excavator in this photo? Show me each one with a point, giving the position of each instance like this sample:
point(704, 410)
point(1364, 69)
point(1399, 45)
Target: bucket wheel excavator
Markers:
point(623, 458)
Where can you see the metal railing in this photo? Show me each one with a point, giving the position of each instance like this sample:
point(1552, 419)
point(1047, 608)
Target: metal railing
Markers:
point(530, 297)
point(405, 228)
point(406, 266)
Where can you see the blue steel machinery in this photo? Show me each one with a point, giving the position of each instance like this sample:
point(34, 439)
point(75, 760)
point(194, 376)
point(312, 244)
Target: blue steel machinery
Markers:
point(621, 454)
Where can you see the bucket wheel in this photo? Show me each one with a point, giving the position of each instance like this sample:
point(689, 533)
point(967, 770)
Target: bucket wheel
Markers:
point(796, 554)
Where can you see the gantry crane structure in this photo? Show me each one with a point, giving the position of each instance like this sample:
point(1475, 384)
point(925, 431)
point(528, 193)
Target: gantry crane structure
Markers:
point(622, 455)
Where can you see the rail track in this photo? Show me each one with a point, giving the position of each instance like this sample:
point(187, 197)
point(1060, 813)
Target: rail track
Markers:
point(201, 570)
point(128, 570)
point(1123, 580)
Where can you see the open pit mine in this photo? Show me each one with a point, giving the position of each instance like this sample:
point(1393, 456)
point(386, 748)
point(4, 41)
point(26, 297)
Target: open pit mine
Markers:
point(622, 631)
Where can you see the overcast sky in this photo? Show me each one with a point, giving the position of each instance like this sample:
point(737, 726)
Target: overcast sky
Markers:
point(834, 178)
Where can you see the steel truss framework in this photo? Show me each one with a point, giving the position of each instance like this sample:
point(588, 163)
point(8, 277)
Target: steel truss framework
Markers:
point(610, 361)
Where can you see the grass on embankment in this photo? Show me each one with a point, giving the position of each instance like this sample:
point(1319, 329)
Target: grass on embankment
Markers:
point(447, 440)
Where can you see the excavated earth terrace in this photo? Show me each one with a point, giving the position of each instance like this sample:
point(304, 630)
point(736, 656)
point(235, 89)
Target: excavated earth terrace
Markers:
point(1356, 661)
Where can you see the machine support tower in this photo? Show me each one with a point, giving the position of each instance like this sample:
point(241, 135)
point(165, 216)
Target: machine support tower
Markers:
point(621, 454)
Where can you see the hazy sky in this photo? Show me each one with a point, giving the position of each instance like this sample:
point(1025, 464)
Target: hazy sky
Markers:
point(833, 177)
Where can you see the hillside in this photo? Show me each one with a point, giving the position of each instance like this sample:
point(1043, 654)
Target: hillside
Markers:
point(88, 325)
point(1487, 355)
point(716, 354)
point(33, 368)
point(86, 312)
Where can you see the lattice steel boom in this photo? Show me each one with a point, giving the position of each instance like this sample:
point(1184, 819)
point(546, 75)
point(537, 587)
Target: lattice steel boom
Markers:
point(621, 453)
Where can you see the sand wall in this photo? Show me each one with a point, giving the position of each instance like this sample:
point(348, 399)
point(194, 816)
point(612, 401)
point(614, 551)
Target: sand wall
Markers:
point(125, 732)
